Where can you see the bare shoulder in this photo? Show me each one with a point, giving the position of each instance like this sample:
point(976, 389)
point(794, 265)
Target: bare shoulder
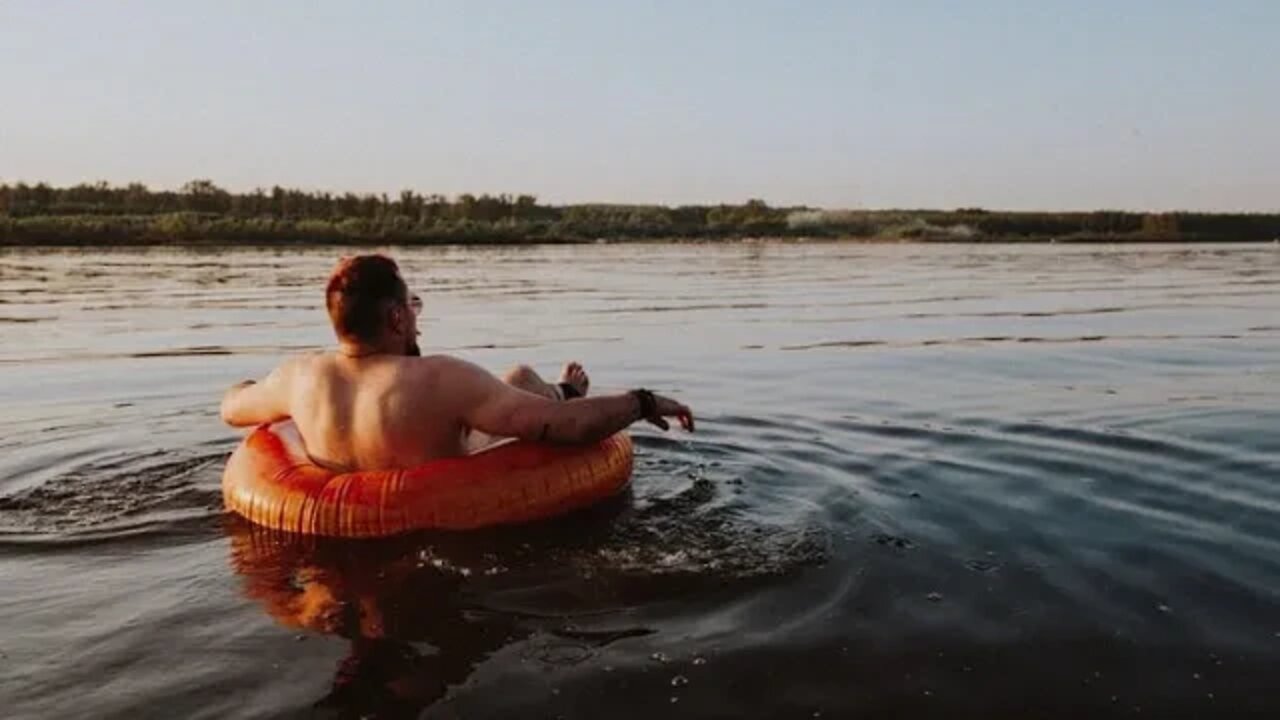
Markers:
point(460, 377)
point(300, 370)
point(446, 368)
point(304, 362)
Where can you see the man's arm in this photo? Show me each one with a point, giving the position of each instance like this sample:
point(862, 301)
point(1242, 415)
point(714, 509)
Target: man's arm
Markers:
point(252, 403)
point(496, 408)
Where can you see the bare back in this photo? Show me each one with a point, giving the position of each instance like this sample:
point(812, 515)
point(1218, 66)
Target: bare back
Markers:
point(374, 412)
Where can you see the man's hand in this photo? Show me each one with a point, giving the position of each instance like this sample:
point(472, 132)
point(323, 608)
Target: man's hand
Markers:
point(662, 408)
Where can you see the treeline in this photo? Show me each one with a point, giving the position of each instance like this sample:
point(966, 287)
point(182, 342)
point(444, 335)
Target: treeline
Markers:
point(202, 212)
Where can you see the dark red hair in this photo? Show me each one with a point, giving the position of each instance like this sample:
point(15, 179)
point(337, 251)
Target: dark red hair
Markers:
point(359, 290)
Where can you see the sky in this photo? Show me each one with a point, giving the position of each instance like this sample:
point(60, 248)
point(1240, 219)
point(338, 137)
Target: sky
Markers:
point(1052, 104)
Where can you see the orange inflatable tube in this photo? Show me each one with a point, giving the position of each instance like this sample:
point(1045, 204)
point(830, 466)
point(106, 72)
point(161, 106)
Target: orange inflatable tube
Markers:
point(270, 481)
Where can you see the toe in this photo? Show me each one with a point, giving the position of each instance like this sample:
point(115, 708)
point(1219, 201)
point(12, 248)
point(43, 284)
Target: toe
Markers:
point(576, 376)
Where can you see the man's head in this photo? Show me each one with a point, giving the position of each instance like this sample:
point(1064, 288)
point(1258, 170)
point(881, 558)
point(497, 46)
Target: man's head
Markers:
point(370, 305)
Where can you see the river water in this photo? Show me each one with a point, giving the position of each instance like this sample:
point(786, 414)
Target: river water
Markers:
point(927, 480)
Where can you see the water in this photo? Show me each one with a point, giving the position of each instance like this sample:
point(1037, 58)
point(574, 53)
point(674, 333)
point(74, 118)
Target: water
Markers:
point(927, 480)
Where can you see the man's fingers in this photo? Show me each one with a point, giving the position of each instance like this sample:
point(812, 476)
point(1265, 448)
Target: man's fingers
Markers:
point(685, 416)
point(668, 408)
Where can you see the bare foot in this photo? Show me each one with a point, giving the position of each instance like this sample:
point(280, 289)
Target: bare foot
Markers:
point(574, 375)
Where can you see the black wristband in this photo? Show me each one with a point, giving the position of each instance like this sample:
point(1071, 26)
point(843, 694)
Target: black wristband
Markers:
point(648, 403)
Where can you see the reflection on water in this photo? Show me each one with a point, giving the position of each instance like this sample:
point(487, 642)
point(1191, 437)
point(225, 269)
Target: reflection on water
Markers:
point(468, 595)
point(967, 480)
point(382, 599)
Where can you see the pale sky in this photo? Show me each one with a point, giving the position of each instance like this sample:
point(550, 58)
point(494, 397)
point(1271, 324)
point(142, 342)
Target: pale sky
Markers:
point(1027, 104)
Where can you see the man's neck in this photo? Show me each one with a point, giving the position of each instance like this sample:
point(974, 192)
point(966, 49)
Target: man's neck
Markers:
point(358, 350)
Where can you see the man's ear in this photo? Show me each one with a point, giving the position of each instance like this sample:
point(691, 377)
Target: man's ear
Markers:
point(394, 318)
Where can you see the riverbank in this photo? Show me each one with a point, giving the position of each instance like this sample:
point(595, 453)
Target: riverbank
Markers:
point(183, 230)
point(202, 214)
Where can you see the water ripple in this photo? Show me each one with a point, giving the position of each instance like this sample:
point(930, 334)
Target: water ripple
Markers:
point(1016, 478)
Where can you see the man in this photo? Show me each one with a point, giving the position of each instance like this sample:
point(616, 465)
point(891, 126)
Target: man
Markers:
point(374, 403)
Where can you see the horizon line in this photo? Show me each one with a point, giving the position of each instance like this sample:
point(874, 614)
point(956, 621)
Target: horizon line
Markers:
point(391, 195)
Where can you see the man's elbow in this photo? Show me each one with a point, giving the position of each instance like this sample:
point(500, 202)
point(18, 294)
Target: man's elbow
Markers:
point(229, 415)
point(552, 428)
point(231, 412)
point(570, 430)
point(574, 434)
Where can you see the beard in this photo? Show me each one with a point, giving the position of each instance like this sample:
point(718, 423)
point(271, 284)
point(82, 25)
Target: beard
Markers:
point(411, 348)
